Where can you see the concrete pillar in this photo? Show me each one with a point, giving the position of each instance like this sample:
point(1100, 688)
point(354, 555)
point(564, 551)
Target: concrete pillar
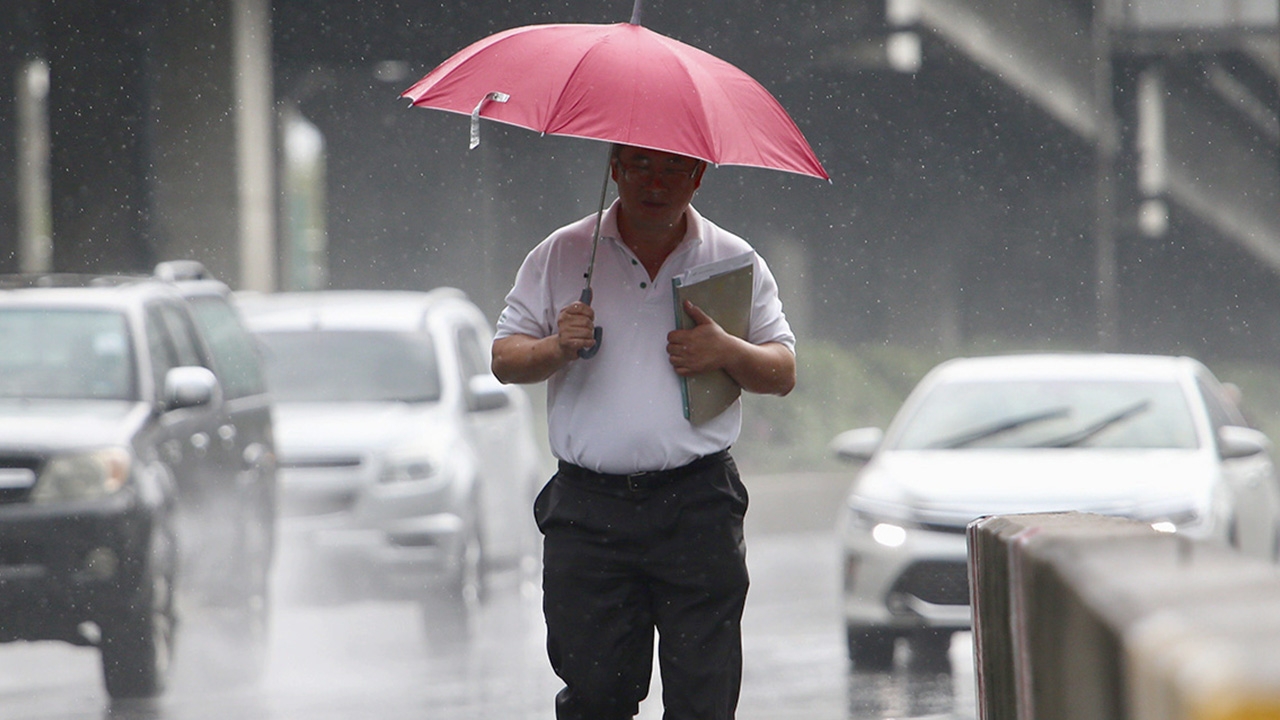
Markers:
point(35, 234)
point(254, 117)
point(19, 53)
point(214, 178)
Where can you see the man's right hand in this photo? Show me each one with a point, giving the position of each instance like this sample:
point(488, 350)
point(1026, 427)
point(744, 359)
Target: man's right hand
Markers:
point(576, 329)
point(526, 359)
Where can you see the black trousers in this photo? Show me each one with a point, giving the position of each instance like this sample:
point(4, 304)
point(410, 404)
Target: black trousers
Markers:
point(623, 557)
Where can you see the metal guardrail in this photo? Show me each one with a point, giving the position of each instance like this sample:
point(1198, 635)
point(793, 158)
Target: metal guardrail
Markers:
point(1086, 617)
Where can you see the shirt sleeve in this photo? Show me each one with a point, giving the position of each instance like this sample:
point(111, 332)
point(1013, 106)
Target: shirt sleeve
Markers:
point(528, 310)
point(768, 322)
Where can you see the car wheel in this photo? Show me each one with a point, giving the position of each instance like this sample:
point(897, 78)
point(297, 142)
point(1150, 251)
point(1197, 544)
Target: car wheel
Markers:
point(448, 611)
point(930, 649)
point(249, 622)
point(137, 647)
point(871, 648)
point(246, 629)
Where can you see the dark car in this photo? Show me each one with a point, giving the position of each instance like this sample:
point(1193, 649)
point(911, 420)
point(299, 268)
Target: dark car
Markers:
point(137, 469)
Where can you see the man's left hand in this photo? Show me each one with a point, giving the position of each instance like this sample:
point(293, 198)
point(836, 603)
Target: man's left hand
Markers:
point(700, 348)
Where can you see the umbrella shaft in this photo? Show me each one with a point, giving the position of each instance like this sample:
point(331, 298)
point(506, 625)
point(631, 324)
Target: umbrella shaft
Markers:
point(595, 235)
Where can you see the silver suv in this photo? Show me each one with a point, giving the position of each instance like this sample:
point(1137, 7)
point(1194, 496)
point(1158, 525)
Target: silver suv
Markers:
point(407, 470)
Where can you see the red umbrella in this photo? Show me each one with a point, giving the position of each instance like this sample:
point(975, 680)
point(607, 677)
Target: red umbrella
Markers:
point(619, 83)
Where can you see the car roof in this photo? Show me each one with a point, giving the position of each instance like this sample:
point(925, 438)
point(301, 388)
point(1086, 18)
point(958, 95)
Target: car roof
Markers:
point(398, 310)
point(1081, 366)
point(191, 279)
point(81, 290)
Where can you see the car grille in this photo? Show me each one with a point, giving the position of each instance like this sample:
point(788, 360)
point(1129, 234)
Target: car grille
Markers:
point(320, 463)
point(302, 497)
point(309, 505)
point(17, 477)
point(949, 528)
point(940, 582)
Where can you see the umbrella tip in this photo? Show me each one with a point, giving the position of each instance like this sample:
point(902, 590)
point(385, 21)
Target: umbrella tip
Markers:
point(635, 12)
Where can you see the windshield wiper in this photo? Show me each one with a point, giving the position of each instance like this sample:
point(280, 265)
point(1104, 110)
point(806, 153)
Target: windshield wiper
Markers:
point(1079, 436)
point(1004, 426)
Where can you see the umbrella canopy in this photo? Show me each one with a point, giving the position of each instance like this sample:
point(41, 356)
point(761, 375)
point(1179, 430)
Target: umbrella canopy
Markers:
point(619, 83)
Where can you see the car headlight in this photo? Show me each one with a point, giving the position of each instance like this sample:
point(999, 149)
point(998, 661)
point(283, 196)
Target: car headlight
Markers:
point(889, 534)
point(886, 524)
point(1171, 522)
point(85, 476)
point(407, 470)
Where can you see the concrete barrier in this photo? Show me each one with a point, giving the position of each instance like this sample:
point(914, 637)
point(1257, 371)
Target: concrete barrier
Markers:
point(1087, 617)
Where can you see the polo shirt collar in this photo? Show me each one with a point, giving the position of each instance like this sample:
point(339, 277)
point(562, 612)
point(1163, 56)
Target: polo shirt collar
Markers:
point(692, 231)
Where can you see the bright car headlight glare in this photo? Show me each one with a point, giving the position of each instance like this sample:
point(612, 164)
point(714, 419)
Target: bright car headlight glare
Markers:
point(86, 476)
point(889, 535)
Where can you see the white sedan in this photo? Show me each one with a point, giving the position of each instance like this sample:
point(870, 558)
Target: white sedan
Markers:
point(1158, 439)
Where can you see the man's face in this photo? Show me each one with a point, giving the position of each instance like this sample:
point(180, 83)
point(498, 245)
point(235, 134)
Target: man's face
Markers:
point(655, 187)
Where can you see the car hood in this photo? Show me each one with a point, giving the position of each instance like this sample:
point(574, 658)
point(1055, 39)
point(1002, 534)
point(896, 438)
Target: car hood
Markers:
point(318, 430)
point(955, 486)
point(43, 425)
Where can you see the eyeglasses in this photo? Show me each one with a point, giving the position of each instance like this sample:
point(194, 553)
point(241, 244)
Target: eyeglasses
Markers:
point(644, 173)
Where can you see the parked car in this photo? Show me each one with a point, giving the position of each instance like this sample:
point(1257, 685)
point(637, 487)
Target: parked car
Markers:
point(1156, 439)
point(407, 470)
point(238, 515)
point(135, 473)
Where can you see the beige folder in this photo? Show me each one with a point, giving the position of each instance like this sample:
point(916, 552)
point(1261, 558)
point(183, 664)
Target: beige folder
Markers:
point(723, 290)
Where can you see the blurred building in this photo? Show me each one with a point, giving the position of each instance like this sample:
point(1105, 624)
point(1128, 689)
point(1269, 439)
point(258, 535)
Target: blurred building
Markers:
point(1039, 172)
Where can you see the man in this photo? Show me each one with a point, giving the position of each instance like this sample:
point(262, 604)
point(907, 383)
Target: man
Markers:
point(642, 523)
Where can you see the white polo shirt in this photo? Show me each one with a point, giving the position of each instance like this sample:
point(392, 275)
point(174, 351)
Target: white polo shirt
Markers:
point(621, 411)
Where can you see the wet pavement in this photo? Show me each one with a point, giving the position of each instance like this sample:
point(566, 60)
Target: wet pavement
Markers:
point(374, 660)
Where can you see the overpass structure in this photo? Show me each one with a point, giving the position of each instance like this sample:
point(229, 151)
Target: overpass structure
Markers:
point(1047, 172)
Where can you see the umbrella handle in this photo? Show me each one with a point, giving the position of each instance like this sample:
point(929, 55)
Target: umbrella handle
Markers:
point(588, 353)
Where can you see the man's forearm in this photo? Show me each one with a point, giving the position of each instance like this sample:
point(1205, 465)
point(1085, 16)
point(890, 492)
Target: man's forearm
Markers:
point(525, 359)
point(768, 369)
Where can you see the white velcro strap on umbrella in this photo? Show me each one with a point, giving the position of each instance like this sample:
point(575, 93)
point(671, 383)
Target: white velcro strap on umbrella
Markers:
point(475, 114)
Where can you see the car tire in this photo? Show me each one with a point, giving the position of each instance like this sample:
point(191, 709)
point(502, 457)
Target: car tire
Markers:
point(871, 648)
point(930, 649)
point(249, 622)
point(448, 611)
point(137, 647)
point(246, 630)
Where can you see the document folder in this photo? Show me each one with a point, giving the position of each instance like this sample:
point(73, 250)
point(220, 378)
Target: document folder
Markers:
point(723, 290)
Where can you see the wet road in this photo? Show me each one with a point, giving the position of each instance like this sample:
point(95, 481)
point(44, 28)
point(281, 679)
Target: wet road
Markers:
point(372, 660)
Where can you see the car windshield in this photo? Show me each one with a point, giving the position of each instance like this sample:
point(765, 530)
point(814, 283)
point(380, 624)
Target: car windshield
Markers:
point(1051, 414)
point(65, 354)
point(350, 366)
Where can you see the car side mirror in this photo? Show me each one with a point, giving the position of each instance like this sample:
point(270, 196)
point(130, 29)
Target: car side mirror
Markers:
point(857, 445)
point(187, 387)
point(1239, 442)
point(486, 392)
